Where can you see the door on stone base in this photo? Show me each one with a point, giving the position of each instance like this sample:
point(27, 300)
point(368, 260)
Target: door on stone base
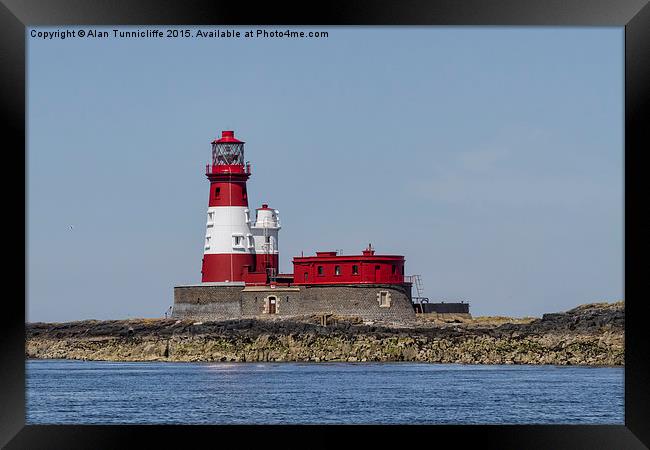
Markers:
point(272, 301)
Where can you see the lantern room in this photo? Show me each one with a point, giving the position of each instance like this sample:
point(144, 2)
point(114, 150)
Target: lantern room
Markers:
point(228, 154)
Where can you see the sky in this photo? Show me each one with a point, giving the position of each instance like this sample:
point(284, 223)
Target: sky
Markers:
point(491, 158)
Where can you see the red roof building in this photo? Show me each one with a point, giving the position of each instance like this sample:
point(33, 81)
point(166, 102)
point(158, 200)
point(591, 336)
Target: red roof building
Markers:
point(327, 268)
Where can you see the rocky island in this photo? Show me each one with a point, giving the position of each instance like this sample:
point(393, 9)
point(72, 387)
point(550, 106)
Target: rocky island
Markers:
point(591, 334)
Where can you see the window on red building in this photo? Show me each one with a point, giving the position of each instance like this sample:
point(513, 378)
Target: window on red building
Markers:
point(337, 270)
point(355, 270)
point(320, 270)
point(393, 269)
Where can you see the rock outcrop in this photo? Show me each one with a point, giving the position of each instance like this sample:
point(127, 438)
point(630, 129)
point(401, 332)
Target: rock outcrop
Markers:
point(587, 335)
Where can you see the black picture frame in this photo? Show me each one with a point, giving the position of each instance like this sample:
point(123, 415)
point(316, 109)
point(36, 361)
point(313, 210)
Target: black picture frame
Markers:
point(634, 15)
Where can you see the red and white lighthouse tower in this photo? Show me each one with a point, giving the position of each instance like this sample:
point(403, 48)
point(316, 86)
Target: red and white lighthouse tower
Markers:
point(229, 244)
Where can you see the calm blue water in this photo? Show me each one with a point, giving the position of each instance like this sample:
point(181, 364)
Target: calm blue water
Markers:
point(66, 392)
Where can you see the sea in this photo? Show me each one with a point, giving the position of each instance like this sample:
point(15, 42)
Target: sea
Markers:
point(97, 392)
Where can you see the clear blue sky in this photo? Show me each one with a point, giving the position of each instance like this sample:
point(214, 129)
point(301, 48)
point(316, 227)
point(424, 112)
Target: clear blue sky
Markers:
point(491, 158)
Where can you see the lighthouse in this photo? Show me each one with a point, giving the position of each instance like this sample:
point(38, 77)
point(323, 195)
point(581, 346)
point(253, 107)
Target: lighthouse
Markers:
point(240, 269)
point(265, 234)
point(229, 250)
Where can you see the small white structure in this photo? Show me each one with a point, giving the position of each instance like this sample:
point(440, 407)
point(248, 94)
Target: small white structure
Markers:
point(265, 234)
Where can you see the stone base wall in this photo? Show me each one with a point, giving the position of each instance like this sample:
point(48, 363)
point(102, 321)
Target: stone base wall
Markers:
point(207, 302)
point(288, 302)
point(368, 302)
point(360, 301)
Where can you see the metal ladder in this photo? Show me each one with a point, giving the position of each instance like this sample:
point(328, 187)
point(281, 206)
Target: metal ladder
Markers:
point(268, 248)
point(419, 287)
point(419, 299)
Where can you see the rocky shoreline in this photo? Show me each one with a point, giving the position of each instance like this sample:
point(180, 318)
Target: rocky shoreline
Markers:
point(590, 335)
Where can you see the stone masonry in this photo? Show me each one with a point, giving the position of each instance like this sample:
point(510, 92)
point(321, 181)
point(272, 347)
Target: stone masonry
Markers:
point(219, 301)
point(208, 301)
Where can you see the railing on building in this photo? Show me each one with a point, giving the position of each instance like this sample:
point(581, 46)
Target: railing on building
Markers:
point(422, 304)
point(417, 300)
point(212, 168)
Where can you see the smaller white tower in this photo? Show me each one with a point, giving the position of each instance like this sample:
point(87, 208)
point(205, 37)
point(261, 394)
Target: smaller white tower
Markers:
point(265, 233)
